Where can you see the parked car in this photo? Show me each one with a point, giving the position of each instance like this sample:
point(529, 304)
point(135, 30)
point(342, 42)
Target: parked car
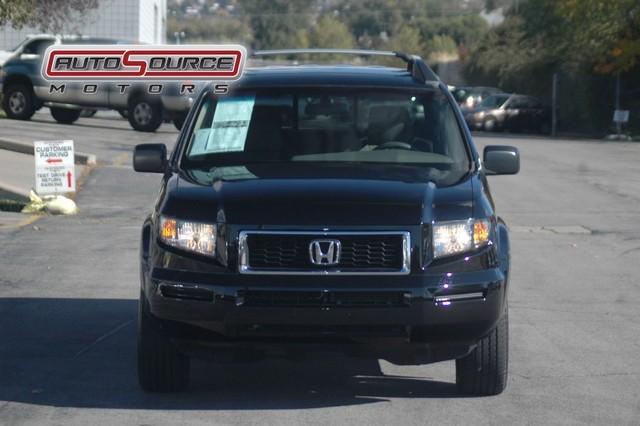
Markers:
point(25, 91)
point(470, 97)
point(511, 112)
point(329, 208)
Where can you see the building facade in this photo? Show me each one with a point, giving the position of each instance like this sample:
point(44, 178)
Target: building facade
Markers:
point(132, 20)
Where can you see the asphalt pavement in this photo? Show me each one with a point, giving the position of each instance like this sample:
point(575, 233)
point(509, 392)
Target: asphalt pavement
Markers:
point(68, 288)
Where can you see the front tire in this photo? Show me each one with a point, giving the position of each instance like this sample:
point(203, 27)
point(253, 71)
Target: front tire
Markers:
point(18, 102)
point(484, 371)
point(490, 124)
point(144, 114)
point(65, 115)
point(161, 368)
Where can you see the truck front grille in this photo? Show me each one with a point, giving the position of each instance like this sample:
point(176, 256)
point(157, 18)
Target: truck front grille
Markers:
point(383, 252)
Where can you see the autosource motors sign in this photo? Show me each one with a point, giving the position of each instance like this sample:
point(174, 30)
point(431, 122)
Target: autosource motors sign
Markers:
point(140, 62)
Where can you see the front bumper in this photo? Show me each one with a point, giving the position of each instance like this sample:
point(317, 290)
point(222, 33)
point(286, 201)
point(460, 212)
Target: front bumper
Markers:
point(441, 308)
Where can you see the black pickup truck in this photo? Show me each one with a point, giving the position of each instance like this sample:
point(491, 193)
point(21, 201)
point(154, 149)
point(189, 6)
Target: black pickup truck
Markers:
point(342, 207)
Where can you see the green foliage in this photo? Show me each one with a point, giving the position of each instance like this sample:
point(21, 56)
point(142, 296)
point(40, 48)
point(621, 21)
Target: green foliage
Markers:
point(46, 15)
point(585, 41)
point(16, 12)
point(442, 44)
point(408, 39)
point(211, 29)
point(606, 32)
point(374, 17)
point(329, 32)
point(276, 24)
point(462, 29)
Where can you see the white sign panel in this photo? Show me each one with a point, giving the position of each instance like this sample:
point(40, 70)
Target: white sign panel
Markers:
point(55, 167)
point(621, 116)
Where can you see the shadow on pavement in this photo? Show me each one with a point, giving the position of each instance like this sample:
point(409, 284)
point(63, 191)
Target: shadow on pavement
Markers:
point(81, 353)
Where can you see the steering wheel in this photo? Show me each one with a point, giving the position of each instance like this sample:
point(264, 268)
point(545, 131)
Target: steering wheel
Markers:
point(394, 145)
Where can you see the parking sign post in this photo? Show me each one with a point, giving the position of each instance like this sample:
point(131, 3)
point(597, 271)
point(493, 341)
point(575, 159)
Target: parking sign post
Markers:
point(55, 167)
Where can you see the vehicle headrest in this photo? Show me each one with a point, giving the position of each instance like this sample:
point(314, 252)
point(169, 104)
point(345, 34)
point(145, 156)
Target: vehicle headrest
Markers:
point(387, 123)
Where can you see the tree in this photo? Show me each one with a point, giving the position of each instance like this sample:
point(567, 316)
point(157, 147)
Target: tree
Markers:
point(371, 18)
point(583, 41)
point(462, 29)
point(605, 32)
point(211, 29)
point(277, 24)
point(46, 15)
point(329, 32)
point(407, 40)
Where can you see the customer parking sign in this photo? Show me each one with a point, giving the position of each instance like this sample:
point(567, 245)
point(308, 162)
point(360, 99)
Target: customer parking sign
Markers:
point(55, 167)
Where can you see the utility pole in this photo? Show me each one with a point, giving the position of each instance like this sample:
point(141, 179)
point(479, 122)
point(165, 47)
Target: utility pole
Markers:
point(554, 107)
point(618, 122)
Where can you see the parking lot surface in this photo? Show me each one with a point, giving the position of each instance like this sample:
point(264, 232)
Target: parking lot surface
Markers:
point(68, 290)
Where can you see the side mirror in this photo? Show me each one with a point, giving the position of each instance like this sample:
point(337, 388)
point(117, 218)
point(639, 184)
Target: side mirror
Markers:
point(150, 158)
point(501, 160)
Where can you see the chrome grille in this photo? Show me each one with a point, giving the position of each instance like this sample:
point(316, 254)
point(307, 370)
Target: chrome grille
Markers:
point(289, 252)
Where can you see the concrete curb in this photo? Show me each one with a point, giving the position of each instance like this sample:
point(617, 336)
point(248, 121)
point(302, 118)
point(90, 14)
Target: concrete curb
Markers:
point(10, 192)
point(23, 148)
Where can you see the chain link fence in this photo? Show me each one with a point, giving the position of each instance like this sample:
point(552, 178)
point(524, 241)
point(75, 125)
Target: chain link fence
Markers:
point(585, 103)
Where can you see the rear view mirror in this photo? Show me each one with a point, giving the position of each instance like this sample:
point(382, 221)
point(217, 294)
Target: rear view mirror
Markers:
point(501, 160)
point(150, 158)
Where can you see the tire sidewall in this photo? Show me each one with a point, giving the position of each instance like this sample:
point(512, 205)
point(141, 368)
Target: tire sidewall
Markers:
point(155, 109)
point(65, 115)
point(490, 124)
point(29, 108)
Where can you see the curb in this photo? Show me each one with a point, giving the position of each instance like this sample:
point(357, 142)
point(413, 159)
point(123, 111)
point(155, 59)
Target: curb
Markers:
point(23, 148)
point(12, 193)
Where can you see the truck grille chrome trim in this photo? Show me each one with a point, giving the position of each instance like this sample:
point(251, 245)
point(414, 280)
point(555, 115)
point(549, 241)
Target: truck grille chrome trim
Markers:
point(384, 262)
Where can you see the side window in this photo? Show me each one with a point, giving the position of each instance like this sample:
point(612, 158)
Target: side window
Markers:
point(518, 103)
point(534, 103)
point(37, 47)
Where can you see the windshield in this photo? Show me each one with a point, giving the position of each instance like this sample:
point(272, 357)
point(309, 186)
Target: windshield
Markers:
point(380, 128)
point(494, 101)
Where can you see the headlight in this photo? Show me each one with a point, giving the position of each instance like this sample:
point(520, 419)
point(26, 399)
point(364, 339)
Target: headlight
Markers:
point(190, 236)
point(459, 236)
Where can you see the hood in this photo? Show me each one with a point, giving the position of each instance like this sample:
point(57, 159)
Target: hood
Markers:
point(476, 109)
point(239, 196)
point(4, 56)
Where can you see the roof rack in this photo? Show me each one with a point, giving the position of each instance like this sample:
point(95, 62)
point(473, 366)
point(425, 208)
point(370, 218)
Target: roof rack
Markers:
point(419, 70)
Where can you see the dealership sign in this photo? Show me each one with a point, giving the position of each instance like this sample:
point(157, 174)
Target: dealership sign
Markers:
point(55, 167)
point(140, 62)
